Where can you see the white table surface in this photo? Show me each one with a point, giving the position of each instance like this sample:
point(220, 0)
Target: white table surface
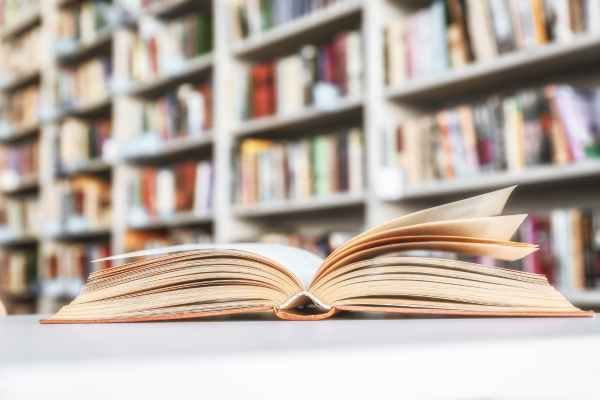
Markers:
point(340, 358)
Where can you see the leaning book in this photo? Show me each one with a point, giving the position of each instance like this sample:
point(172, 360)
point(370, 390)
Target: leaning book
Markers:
point(367, 274)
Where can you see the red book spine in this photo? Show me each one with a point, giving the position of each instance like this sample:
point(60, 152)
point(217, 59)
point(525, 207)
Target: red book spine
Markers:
point(263, 98)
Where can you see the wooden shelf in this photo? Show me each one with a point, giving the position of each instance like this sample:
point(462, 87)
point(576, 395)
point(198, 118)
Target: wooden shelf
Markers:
point(21, 81)
point(529, 176)
point(332, 18)
point(334, 201)
point(168, 150)
point(171, 221)
point(26, 22)
point(96, 166)
point(93, 109)
point(530, 63)
point(301, 119)
point(189, 69)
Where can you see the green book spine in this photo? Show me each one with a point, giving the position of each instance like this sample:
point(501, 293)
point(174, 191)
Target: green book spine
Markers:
point(204, 32)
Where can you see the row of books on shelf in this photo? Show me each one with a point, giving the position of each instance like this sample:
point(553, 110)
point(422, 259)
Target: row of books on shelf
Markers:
point(84, 22)
point(12, 12)
point(82, 141)
point(21, 56)
point(556, 124)
point(185, 187)
point(66, 266)
point(82, 203)
point(19, 217)
point(317, 75)
point(18, 273)
point(17, 162)
point(183, 112)
point(255, 17)
point(448, 34)
point(151, 239)
point(21, 109)
point(160, 48)
point(86, 83)
point(270, 171)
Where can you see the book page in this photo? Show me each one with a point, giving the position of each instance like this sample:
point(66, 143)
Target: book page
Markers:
point(303, 264)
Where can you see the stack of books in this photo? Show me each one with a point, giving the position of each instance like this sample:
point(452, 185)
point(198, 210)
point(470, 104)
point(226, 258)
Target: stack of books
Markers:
point(161, 48)
point(317, 75)
point(21, 56)
point(13, 11)
point(85, 84)
point(22, 216)
point(254, 17)
point(270, 171)
point(21, 109)
point(18, 272)
point(80, 142)
point(556, 124)
point(150, 239)
point(18, 162)
point(85, 203)
point(449, 34)
point(185, 187)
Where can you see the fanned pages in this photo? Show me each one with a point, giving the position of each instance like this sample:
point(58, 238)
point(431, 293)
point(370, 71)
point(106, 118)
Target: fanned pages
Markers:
point(369, 273)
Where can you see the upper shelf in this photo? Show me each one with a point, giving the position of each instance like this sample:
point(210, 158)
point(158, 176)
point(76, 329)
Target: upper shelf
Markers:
point(523, 64)
point(344, 110)
point(173, 221)
point(318, 24)
point(80, 51)
point(529, 176)
point(185, 72)
point(21, 81)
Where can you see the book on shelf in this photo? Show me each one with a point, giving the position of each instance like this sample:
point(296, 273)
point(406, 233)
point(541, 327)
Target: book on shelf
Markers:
point(553, 125)
point(21, 109)
point(569, 241)
point(18, 272)
point(81, 141)
point(160, 48)
point(316, 75)
point(22, 216)
point(363, 275)
point(83, 203)
point(447, 34)
point(66, 266)
point(322, 244)
point(275, 170)
point(151, 239)
point(86, 83)
point(84, 22)
point(18, 163)
point(252, 17)
point(182, 188)
point(21, 56)
point(12, 12)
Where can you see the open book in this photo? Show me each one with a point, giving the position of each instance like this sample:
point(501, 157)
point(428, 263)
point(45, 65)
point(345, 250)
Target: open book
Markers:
point(366, 274)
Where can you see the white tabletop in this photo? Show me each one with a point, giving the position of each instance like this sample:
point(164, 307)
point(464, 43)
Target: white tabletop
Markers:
point(342, 358)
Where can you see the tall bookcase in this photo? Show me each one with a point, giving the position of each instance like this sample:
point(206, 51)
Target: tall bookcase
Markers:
point(540, 188)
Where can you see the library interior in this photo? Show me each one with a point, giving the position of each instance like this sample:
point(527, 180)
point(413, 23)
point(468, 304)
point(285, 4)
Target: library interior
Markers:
point(130, 125)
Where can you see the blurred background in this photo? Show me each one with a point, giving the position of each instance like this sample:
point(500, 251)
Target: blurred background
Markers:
point(131, 124)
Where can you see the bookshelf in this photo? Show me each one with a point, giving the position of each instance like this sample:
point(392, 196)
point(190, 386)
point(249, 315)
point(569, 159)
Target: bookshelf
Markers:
point(383, 195)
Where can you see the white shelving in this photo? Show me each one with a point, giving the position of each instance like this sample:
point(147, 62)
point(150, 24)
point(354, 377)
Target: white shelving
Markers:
point(230, 222)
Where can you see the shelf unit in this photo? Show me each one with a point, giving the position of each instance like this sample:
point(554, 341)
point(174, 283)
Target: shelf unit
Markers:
point(568, 186)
